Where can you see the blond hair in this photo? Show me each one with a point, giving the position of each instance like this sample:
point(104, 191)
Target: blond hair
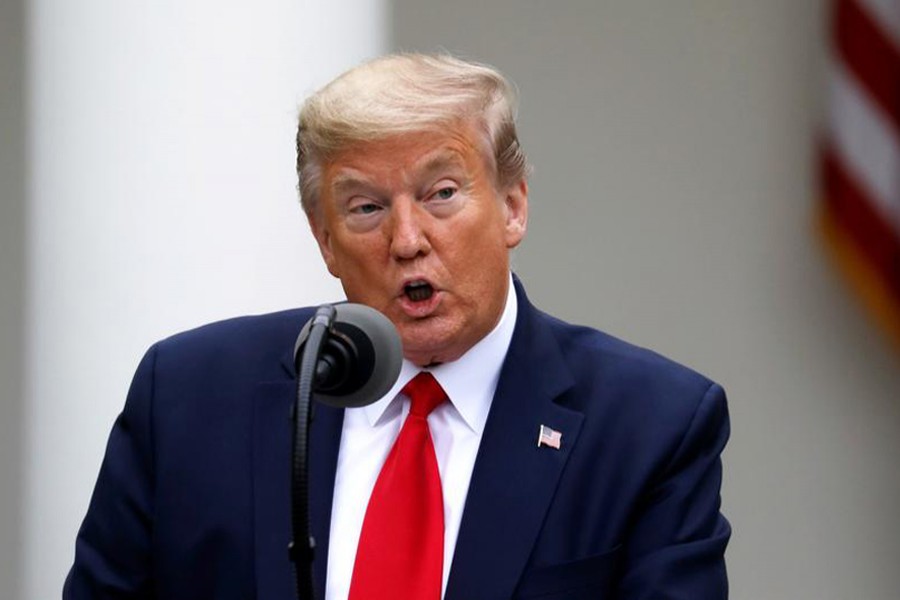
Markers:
point(408, 93)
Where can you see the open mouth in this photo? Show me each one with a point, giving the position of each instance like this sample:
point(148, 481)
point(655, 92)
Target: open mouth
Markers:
point(418, 291)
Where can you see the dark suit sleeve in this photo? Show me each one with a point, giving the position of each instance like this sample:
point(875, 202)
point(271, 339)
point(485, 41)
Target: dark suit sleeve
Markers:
point(113, 547)
point(677, 544)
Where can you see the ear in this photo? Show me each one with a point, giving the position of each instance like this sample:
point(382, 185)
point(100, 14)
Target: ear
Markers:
point(516, 213)
point(323, 237)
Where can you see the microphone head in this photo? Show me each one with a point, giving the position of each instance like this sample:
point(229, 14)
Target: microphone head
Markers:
point(366, 346)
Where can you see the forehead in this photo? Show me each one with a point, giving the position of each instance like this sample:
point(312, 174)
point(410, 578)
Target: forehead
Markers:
point(417, 154)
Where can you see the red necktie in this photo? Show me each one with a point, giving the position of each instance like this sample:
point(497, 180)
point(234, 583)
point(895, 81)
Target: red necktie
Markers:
point(401, 547)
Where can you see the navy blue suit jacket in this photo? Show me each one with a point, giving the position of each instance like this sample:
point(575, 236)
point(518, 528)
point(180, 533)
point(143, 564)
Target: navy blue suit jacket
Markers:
point(192, 500)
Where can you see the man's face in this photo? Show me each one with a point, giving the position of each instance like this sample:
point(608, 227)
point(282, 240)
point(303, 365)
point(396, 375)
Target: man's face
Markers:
point(414, 226)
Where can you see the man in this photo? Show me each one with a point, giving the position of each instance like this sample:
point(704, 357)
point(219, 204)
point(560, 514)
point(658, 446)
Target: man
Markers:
point(516, 457)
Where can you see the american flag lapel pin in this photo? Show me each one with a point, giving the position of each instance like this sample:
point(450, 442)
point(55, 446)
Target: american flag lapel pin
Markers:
point(549, 437)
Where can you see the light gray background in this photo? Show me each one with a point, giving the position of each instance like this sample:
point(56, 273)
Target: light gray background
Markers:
point(12, 280)
point(672, 204)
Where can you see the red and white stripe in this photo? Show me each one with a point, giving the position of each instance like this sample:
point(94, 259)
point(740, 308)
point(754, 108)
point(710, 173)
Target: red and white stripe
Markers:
point(862, 143)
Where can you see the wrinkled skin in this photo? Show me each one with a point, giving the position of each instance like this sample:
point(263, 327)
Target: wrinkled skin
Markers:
point(423, 209)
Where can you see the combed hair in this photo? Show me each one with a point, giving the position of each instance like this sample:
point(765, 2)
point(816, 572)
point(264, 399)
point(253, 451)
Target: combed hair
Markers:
point(407, 93)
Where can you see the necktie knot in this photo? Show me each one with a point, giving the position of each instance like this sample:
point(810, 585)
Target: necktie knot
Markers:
point(425, 394)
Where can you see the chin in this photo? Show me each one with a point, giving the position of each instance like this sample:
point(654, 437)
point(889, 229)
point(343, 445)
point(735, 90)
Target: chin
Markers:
point(420, 354)
point(425, 349)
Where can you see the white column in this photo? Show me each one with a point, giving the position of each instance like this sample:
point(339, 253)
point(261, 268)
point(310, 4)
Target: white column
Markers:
point(162, 196)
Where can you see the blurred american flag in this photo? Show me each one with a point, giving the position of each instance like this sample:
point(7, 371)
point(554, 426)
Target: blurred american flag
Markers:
point(861, 153)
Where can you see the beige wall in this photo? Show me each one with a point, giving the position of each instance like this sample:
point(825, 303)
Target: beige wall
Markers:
point(672, 204)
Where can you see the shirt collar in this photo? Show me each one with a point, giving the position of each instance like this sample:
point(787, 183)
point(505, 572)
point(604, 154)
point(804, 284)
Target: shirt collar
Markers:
point(470, 381)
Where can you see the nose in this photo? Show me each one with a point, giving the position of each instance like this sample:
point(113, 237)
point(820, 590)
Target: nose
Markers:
point(407, 230)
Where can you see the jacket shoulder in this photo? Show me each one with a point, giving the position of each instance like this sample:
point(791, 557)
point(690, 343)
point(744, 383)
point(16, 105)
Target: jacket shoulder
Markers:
point(248, 342)
point(608, 367)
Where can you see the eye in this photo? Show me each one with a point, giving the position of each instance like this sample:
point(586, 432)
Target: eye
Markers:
point(445, 193)
point(364, 208)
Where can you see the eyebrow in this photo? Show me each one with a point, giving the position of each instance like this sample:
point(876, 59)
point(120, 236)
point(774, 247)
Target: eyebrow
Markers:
point(346, 181)
point(444, 160)
point(343, 182)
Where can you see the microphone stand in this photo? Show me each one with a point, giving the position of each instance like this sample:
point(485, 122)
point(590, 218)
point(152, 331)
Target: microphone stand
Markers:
point(350, 355)
point(301, 550)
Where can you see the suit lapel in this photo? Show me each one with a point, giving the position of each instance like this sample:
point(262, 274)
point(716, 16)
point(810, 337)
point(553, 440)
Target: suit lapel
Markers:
point(514, 480)
point(271, 485)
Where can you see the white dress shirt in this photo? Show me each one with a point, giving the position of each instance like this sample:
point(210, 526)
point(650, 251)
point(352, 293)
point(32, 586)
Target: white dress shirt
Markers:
point(369, 433)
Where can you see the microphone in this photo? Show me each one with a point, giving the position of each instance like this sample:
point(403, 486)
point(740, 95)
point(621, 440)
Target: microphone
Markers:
point(359, 354)
point(347, 355)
